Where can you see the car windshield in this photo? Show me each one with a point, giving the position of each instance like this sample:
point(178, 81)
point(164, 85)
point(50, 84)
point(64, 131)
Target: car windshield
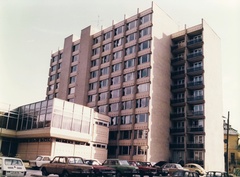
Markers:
point(75, 160)
point(39, 158)
point(123, 162)
point(13, 162)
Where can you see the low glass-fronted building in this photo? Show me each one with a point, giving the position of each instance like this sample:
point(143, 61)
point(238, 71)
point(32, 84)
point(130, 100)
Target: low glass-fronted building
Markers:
point(53, 127)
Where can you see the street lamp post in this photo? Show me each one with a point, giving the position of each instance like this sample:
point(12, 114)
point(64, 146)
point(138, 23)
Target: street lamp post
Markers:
point(227, 142)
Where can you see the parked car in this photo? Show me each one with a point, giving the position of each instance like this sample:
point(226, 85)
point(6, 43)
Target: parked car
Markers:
point(99, 169)
point(10, 166)
point(65, 166)
point(169, 168)
point(123, 168)
point(195, 168)
point(158, 166)
point(144, 168)
point(41, 159)
point(216, 174)
point(183, 173)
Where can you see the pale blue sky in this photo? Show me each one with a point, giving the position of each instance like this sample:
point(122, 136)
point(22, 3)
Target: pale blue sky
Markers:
point(31, 29)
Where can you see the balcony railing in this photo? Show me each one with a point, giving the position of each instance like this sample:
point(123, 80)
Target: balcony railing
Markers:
point(195, 83)
point(194, 41)
point(177, 86)
point(195, 98)
point(194, 69)
point(177, 130)
point(176, 73)
point(177, 59)
point(177, 100)
point(177, 115)
point(195, 54)
point(196, 129)
point(195, 145)
point(176, 145)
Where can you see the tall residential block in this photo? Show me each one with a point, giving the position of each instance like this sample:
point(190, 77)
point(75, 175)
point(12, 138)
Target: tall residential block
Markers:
point(161, 86)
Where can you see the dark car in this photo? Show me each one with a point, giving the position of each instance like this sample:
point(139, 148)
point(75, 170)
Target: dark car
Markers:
point(65, 166)
point(158, 166)
point(216, 174)
point(123, 168)
point(99, 169)
point(144, 168)
point(183, 173)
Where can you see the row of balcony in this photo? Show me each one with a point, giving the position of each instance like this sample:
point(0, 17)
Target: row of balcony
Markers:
point(192, 85)
point(191, 44)
point(188, 146)
point(191, 57)
point(191, 129)
point(190, 100)
point(190, 114)
point(191, 71)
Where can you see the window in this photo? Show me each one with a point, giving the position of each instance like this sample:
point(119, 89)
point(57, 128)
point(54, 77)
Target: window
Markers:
point(72, 79)
point(60, 55)
point(117, 55)
point(124, 150)
point(197, 78)
point(54, 68)
point(94, 62)
point(96, 51)
point(143, 73)
point(130, 50)
point(51, 87)
point(145, 31)
point(198, 155)
point(198, 108)
point(107, 35)
point(199, 50)
point(129, 63)
point(139, 150)
point(59, 65)
point(92, 98)
point(104, 71)
point(105, 59)
point(102, 109)
point(118, 42)
point(128, 77)
point(57, 85)
point(106, 47)
point(97, 40)
point(142, 102)
point(113, 107)
point(118, 30)
point(197, 64)
point(197, 93)
point(93, 86)
point(71, 90)
point(140, 118)
point(114, 120)
point(127, 105)
point(58, 75)
point(131, 25)
point(55, 58)
point(179, 110)
point(131, 37)
point(75, 47)
point(140, 134)
point(126, 119)
point(125, 135)
point(104, 83)
point(198, 139)
point(75, 58)
point(52, 77)
point(115, 80)
point(144, 45)
point(128, 90)
point(113, 136)
point(103, 96)
point(145, 18)
point(143, 88)
point(116, 67)
point(93, 74)
point(144, 59)
point(74, 68)
point(115, 93)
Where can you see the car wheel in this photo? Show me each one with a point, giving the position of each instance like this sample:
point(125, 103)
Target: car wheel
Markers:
point(65, 174)
point(44, 172)
point(118, 174)
point(198, 173)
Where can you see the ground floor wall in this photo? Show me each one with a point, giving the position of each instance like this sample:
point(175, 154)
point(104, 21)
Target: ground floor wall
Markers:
point(53, 147)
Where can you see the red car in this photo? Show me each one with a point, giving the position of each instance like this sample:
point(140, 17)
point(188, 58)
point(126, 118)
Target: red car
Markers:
point(144, 168)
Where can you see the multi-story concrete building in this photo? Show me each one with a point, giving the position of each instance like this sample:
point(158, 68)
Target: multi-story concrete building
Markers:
point(161, 86)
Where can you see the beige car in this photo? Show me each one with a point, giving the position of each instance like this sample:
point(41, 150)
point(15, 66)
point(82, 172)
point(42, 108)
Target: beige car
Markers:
point(195, 168)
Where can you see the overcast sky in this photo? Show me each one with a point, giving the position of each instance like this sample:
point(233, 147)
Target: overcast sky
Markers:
point(30, 30)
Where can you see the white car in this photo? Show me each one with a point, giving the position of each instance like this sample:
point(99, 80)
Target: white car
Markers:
point(10, 166)
point(41, 159)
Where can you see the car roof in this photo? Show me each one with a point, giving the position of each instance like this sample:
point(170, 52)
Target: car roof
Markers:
point(14, 158)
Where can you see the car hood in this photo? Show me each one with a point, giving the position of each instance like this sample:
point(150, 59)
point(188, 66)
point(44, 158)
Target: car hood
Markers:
point(100, 167)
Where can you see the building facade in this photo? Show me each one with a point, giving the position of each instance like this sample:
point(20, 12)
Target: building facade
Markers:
point(160, 86)
point(53, 127)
